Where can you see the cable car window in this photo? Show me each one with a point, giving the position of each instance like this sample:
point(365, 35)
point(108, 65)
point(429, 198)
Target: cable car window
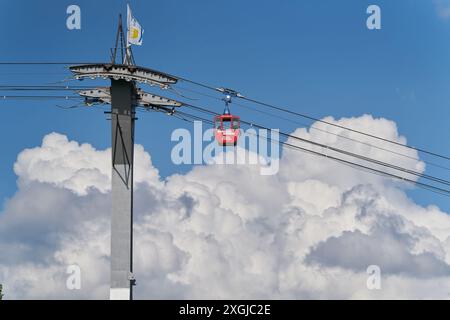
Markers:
point(226, 123)
point(235, 124)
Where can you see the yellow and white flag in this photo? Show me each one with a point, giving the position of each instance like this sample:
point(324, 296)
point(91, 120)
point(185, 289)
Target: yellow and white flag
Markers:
point(135, 31)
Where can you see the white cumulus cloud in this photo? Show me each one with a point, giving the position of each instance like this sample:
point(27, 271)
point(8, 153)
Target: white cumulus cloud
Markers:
point(225, 231)
point(443, 8)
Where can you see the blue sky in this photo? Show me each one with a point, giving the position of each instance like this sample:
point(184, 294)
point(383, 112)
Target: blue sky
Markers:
point(316, 57)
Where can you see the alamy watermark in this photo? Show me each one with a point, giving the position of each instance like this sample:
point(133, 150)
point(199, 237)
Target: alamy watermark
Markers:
point(253, 148)
point(374, 279)
point(373, 22)
point(73, 21)
point(73, 281)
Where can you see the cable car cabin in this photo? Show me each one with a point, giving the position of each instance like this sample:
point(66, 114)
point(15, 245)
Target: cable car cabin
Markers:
point(226, 129)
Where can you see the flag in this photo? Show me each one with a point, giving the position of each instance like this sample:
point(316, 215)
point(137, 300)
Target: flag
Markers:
point(135, 32)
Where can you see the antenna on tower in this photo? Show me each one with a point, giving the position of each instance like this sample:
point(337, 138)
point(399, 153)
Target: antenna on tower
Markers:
point(126, 54)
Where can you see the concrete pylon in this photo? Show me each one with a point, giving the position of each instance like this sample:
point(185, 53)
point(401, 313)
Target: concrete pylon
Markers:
point(123, 100)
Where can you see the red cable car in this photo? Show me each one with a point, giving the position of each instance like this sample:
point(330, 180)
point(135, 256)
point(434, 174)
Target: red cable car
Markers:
point(226, 129)
point(227, 126)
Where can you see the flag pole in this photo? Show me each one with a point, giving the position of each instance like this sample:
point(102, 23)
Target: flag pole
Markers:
point(129, 59)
